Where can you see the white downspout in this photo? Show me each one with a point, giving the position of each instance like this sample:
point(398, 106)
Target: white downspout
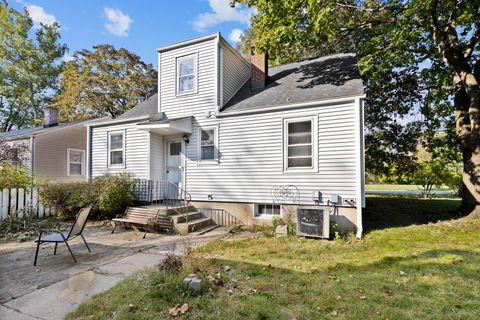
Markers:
point(32, 154)
point(359, 165)
point(87, 160)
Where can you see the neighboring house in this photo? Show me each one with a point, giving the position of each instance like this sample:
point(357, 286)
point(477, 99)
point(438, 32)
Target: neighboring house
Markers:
point(229, 131)
point(55, 150)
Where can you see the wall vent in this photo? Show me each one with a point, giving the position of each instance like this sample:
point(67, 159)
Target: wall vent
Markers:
point(313, 222)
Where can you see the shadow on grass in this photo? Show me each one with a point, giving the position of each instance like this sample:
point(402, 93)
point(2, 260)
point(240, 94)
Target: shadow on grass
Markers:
point(387, 211)
point(434, 284)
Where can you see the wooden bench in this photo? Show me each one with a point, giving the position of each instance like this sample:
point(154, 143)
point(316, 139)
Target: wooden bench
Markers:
point(143, 217)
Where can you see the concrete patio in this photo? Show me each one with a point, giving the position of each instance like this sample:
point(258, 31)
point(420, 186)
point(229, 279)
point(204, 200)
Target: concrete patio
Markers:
point(57, 285)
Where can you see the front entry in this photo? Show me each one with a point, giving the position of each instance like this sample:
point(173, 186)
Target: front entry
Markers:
point(174, 162)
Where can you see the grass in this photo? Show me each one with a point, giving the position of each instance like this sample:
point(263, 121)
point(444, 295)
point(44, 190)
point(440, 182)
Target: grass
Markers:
point(396, 187)
point(423, 271)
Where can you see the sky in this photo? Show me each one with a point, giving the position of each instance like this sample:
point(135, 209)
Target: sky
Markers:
point(140, 26)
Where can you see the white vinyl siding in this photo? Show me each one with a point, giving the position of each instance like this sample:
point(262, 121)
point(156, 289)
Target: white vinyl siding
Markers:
point(136, 157)
point(188, 104)
point(157, 156)
point(250, 160)
point(75, 162)
point(236, 71)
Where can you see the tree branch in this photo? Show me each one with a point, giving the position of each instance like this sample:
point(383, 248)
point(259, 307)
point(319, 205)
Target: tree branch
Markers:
point(470, 46)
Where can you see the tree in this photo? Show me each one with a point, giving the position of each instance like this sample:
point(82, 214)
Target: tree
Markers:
point(12, 152)
point(29, 68)
point(105, 81)
point(435, 42)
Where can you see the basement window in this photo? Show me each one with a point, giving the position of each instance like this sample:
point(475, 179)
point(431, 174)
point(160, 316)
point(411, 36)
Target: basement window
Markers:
point(266, 210)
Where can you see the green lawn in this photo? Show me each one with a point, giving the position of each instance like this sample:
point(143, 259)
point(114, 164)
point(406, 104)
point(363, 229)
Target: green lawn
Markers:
point(395, 187)
point(424, 271)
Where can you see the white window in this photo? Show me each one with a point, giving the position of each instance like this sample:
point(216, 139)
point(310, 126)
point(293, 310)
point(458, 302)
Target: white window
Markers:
point(75, 162)
point(208, 144)
point(267, 210)
point(300, 150)
point(116, 149)
point(187, 74)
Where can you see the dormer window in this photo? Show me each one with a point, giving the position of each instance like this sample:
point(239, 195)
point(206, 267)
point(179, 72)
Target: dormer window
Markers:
point(187, 74)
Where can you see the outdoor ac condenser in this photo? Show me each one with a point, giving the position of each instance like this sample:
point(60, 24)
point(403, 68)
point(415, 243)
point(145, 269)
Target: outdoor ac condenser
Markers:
point(313, 222)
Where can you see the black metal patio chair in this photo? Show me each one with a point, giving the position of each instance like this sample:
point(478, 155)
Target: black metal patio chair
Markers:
point(57, 236)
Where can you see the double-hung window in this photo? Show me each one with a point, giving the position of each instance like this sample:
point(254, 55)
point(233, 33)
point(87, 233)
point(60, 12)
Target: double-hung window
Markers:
point(300, 144)
point(75, 162)
point(116, 149)
point(187, 74)
point(208, 144)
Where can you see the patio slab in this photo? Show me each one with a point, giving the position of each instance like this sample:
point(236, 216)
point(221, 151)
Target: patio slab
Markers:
point(57, 285)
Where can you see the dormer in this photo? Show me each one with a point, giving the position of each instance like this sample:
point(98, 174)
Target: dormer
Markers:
point(199, 76)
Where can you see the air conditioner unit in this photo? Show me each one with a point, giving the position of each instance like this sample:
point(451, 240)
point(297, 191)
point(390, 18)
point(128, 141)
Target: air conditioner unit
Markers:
point(313, 222)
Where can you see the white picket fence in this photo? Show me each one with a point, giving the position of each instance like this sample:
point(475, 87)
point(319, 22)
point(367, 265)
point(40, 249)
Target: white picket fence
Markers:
point(22, 202)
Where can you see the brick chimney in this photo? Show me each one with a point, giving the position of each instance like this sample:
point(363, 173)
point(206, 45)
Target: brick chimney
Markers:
point(50, 117)
point(259, 64)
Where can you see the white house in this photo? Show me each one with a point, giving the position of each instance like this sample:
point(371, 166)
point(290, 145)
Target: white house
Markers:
point(230, 131)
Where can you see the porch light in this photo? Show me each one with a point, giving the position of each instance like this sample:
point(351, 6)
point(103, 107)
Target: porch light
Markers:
point(186, 139)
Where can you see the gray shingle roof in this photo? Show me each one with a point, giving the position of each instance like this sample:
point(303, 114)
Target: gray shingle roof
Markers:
point(30, 132)
point(148, 106)
point(323, 78)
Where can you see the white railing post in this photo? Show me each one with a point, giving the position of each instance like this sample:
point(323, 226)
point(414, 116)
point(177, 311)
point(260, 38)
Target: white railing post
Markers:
point(5, 202)
point(28, 201)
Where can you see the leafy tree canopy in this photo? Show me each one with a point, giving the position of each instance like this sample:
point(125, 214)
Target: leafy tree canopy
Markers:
point(29, 68)
point(415, 56)
point(105, 81)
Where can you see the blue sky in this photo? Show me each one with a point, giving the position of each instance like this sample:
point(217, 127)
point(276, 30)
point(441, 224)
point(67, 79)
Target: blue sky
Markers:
point(140, 26)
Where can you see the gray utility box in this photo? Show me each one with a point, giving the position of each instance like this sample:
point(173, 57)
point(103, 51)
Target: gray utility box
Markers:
point(313, 222)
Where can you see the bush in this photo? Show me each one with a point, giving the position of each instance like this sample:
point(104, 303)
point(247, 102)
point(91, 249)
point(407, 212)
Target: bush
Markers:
point(113, 194)
point(14, 176)
point(68, 198)
point(109, 195)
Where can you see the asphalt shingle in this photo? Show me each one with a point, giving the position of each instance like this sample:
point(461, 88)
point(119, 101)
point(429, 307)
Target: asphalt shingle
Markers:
point(328, 77)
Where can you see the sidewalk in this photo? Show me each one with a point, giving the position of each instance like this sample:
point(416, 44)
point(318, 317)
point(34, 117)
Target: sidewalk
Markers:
point(57, 285)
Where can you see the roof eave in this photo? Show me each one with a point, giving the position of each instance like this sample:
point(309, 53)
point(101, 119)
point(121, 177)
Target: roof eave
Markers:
point(290, 106)
point(189, 42)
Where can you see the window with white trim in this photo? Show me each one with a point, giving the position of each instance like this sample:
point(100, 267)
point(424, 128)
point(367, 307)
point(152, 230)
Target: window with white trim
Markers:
point(208, 149)
point(116, 148)
point(187, 74)
point(300, 140)
point(267, 210)
point(75, 162)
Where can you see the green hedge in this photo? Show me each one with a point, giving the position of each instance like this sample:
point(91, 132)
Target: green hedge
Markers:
point(109, 194)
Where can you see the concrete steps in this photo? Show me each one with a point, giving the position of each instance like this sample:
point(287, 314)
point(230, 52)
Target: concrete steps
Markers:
point(194, 225)
point(169, 220)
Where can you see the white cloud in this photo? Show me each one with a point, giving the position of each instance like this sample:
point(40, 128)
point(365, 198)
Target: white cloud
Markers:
point(236, 35)
point(118, 23)
point(38, 16)
point(222, 12)
point(67, 58)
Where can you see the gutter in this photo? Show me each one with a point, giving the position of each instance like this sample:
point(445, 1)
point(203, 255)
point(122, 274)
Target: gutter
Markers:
point(289, 106)
point(115, 121)
point(189, 42)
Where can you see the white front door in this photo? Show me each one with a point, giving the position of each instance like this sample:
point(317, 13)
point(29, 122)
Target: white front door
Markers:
point(175, 162)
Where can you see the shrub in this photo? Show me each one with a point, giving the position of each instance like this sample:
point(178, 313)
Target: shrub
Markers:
point(68, 198)
point(14, 176)
point(109, 194)
point(113, 193)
